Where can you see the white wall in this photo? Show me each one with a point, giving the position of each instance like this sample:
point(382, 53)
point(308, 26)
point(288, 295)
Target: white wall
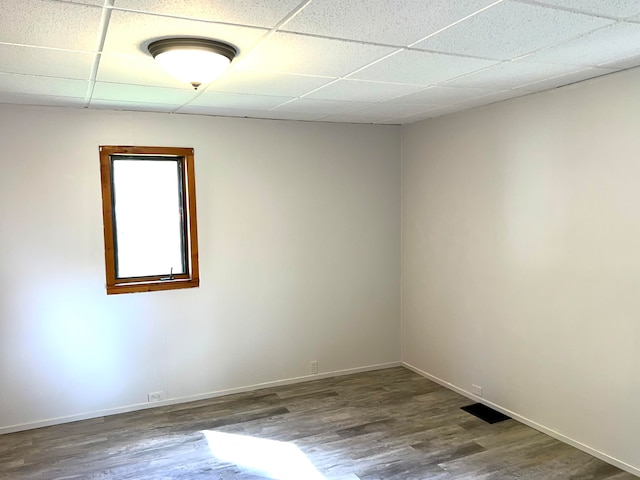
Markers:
point(521, 258)
point(299, 236)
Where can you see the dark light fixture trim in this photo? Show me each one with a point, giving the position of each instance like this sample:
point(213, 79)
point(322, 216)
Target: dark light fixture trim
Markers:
point(166, 44)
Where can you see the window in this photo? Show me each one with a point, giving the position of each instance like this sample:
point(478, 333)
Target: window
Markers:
point(149, 212)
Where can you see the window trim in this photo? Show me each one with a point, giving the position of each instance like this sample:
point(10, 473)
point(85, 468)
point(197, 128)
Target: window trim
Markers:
point(191, 278)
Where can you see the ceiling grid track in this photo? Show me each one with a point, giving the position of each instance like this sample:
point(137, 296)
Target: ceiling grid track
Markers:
point(102, 36)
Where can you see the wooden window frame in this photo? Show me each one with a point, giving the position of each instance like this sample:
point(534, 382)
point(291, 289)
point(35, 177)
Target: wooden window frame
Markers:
point(191, 278)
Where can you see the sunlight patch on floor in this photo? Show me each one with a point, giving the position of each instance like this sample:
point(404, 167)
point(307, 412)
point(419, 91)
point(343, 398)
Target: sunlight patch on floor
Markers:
point(269, 458)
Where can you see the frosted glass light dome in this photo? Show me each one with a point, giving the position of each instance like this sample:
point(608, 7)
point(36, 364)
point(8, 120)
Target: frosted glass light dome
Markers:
point(193, 60)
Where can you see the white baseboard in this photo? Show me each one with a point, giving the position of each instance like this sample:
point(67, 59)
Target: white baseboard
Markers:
point(541, 428)
point(203, 396)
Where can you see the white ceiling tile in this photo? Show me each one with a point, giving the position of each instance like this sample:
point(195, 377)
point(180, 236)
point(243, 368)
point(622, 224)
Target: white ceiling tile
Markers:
point(401, 119)
point(444, 95)
point(623, 63)
point(135, 70)
point(33, 85)
point(96, 3)
point(324, 107)
point(468, 105)
point(443, 111)
point(420, 68)
point(131, 106)
point(292, 53)
point(609, 8)
point(276, 115)
point(565, 79)
point(247, 113)
point(257, 82)
point(401, 22)
point(142, 94)
point(496, 97)
point(412, 119)
point(362, 91)
point(45, 62)
point(206, 110)
point(389, 109)
point(438, 112)
point(238, 100)
point(354, 117)
point(244, 12)
point(50, 24)
point(130, 33)
point(610, 43)
point(509, 30)
point(48, 100)
point(512, 74)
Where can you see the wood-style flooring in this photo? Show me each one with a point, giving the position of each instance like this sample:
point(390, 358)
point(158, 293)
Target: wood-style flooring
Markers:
point(388, 424)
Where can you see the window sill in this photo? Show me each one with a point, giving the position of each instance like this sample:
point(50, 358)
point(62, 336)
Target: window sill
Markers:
point(152, 286)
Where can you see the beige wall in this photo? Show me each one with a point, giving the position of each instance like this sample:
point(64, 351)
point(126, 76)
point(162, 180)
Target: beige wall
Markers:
point(521, 258)
point(521, 266)
point(299, 235)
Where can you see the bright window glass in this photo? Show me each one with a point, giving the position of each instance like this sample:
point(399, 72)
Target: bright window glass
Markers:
point(148, 217)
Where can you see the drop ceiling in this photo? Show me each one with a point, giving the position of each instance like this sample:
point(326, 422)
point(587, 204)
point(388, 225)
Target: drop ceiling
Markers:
point(362, 61)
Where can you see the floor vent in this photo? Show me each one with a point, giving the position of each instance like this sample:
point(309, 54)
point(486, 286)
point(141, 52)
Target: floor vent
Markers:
point(485, 413)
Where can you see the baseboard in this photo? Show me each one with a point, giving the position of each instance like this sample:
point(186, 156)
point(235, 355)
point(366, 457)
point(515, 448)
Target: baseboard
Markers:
point(541, 428)
point(177, 400)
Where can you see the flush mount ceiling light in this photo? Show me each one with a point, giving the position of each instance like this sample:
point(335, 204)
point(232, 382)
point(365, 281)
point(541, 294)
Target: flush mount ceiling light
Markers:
point(193, 60)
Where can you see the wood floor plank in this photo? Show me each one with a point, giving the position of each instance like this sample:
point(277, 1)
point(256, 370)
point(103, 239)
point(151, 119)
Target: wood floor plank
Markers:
point(388, 424)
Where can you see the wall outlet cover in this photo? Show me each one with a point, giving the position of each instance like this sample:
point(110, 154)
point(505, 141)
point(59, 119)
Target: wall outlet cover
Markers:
point(155, 397)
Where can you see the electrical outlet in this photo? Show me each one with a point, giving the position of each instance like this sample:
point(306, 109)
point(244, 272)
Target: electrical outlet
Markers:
point(313, 367)
point(476, 390)
point(155, 397)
